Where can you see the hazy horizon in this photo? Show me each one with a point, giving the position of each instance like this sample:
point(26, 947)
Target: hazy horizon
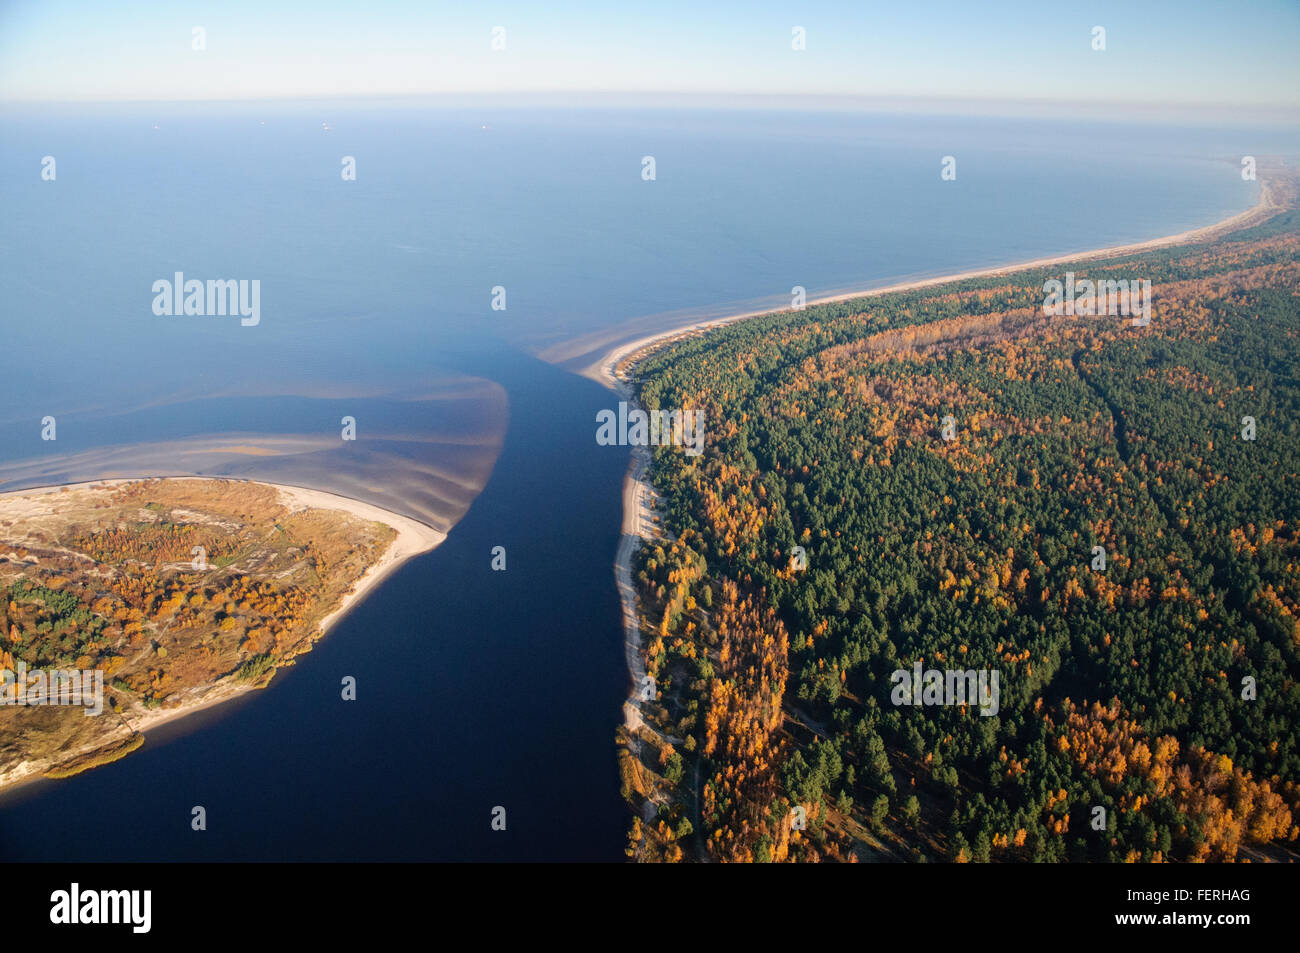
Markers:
point(1197, 59)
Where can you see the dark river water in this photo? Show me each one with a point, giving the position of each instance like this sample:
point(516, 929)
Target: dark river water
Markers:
point(476, 689)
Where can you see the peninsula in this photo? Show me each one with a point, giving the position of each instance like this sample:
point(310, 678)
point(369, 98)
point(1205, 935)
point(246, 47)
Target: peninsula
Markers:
point(165, 596)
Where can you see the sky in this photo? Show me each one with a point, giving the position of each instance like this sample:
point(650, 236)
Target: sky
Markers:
point(1236, 55)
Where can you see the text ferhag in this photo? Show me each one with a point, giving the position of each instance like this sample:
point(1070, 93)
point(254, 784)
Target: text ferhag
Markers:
point(216, 297)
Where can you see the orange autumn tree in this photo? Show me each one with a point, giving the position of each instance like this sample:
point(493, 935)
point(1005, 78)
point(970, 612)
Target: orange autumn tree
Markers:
point(741, 721)
point(1230, 805)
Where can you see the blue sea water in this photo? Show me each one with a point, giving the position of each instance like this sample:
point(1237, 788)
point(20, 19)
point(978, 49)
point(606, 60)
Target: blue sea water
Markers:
point(477, 689)
point(373, 280)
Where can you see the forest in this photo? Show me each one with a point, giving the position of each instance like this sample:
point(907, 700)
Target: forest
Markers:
point(167, 587)
point(1105, 514)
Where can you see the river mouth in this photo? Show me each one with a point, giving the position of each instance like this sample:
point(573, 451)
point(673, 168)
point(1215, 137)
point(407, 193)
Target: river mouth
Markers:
point(476, 689)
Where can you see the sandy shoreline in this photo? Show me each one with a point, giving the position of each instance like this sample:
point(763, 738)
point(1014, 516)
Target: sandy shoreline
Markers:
point(615, 368)
point(1273, 198)
point(413, 538)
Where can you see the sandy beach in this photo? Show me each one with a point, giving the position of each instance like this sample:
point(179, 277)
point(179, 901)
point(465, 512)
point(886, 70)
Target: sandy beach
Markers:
point(1276, 193)
point(413, 538)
